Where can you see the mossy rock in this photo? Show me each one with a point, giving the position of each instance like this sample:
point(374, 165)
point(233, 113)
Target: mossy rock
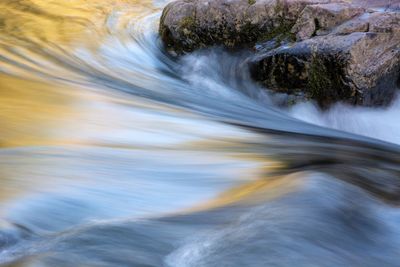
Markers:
point(329, 69)
point(186, 25)
point(323, 50)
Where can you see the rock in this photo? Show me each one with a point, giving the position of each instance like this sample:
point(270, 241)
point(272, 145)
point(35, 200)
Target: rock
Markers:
point(381, 4)
point(187, 25)
point(317, 19)
point(359, 68)
point(325, 50)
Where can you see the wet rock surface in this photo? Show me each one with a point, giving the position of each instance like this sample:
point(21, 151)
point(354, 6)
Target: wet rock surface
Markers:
point(318, 49)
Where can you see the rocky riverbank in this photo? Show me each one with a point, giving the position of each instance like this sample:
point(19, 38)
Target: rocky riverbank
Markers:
point(325, 50)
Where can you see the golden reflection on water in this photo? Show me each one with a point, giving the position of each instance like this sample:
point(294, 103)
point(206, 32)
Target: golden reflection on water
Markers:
point(63, 21)
point(42, 114)
point(29, 110)
point(32, 113)
point(39, 112)
point(259, 189)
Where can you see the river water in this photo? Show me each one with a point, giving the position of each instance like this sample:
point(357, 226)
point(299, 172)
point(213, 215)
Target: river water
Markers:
point(113, 153)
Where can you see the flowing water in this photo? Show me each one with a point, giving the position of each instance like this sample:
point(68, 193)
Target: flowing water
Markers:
point(113, 153)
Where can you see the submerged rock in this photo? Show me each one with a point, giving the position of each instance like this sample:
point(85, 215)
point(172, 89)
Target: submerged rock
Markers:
point(325, 50)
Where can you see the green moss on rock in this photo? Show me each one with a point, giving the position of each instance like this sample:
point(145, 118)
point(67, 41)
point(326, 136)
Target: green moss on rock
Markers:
point(326, 80)
point(281, 28)
point(281, 33)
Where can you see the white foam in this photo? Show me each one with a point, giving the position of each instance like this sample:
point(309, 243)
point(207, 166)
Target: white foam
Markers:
point(379, 123)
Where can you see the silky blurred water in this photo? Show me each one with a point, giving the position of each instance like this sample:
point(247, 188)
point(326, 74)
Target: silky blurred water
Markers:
point(114, 153)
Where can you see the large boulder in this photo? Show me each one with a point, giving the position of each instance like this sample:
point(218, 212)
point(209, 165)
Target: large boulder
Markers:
point(327, 50)
point(187, 25)
point(357, 62)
